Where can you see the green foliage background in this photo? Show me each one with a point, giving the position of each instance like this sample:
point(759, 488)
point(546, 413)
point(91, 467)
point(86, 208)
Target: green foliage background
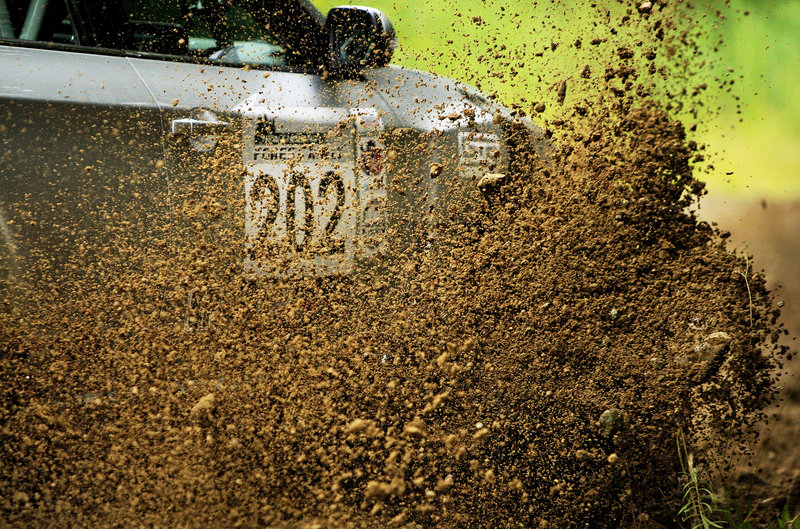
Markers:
point(751, 126)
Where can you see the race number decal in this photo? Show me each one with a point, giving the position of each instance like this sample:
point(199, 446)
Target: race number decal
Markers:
point(301, 206)
point(315, 189)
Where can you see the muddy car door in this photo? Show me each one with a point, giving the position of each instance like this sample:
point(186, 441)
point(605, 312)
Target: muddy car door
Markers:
point(80, 163)
point(274, 169)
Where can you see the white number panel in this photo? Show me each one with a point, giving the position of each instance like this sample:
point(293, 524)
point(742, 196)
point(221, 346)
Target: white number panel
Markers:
point(301, 207)
point(313, 200)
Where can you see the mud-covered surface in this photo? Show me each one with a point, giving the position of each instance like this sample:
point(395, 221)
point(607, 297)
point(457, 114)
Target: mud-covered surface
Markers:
point(529, 366)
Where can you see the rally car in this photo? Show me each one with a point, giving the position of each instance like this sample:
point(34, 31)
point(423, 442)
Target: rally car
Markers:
point(336, 143)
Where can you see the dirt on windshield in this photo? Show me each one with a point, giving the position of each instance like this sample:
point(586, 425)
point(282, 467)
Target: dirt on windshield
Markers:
point(532, 368)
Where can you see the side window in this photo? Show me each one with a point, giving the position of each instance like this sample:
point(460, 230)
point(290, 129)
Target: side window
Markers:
point(213, 29)
point(37, 20)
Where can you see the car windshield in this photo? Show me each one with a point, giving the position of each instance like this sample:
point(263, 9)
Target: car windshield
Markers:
point(220, 30)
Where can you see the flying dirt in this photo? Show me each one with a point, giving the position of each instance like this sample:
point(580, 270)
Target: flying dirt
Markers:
point(528, 362)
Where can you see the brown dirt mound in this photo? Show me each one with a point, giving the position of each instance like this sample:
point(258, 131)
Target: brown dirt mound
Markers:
point(532, 371)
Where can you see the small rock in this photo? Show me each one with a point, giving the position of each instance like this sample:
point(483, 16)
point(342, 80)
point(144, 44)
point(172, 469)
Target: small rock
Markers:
point(480, 434)
point(436, 402)
point(444, 483)
point(469, 345)
point(712, 345)
point(584, 456)
point(400, 518)
point(358, 425)
point(377, 490)
point(645, 7)
point(415, 428)
point(656, 362)
point(441, 360)
point(204, 407)
point(613, 459)
point(491, 182)
point(561, 91)
point(436, 170)
point(610, 421)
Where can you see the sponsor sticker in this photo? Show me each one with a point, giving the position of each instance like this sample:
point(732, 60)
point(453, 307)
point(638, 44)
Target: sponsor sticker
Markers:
point(478, 149)
point(301, 204)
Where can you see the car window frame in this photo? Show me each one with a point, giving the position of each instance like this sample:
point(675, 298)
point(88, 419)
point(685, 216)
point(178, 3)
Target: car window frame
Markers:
point(306, 35)
point(88, 36)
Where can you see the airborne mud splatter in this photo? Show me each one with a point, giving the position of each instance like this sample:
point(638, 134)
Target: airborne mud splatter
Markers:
point(528, 368)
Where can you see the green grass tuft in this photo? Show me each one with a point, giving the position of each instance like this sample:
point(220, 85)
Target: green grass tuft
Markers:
point(702, 508)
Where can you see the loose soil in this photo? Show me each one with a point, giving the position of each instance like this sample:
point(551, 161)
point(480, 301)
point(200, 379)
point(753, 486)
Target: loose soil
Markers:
point(531, 368)
point(770, 477)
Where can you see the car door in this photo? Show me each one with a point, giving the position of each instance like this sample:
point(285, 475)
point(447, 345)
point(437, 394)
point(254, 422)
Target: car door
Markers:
point(271, 166)
point(81, 165)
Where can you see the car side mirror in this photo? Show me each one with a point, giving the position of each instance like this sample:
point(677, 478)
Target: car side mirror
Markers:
point(359, 38)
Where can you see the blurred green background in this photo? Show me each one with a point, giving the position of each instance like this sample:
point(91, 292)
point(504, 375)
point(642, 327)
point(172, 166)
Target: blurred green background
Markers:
point(746, 52)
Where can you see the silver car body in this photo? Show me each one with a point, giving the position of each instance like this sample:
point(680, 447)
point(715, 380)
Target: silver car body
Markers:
point(85, 137)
